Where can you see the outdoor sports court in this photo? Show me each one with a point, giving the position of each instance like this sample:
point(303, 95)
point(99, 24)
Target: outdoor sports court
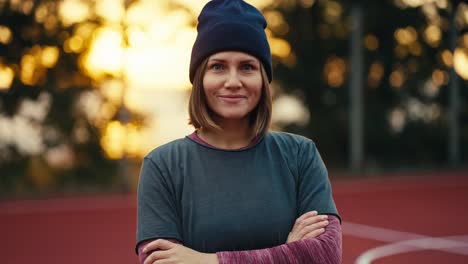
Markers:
point(418, 218)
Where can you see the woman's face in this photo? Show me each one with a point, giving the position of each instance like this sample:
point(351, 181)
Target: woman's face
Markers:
point(232, 84)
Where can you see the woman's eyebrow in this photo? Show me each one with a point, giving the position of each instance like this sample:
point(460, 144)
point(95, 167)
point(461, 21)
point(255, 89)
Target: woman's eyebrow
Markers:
point(242, 61)
point(249, 61)
point(216, 60)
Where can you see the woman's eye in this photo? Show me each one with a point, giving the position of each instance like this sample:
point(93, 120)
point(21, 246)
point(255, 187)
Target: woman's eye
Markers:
point(248, 67)
point(216, 67)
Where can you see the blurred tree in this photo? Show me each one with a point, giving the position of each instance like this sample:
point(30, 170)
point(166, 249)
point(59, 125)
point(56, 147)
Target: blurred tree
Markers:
point(51, 114)
point(406, 74)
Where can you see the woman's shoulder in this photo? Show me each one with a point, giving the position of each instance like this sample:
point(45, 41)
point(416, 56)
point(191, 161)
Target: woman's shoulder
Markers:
point(289, 138)
point(172, 147)
point(294, 148)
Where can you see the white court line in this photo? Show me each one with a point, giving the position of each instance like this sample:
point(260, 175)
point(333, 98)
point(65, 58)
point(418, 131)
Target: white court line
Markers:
point(430, 243)
point(377, 233)
point(401, 242)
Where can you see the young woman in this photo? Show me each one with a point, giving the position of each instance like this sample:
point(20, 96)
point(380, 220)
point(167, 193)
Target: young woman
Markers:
point(234, 192)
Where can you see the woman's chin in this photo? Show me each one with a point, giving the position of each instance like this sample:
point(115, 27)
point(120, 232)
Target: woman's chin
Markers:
point(232, 117)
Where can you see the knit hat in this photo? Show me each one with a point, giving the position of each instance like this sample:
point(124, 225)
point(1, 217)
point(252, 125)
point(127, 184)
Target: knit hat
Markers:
point(230, 25)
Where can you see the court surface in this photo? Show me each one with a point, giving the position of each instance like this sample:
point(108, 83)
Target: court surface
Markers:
point(405, 219)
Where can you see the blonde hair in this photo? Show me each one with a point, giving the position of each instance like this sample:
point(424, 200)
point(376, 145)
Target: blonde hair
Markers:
point(201, 115)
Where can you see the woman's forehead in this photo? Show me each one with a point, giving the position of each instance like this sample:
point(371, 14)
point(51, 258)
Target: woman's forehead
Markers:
point(233, 55)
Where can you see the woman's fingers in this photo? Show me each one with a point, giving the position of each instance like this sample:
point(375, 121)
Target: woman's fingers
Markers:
point(308, 225)
point(313, 220)
point(300, 221)
point(163, 261)
point(314, 233)
point(158, 244)
point(308, 221)
point(156, 255)
point(312, 227)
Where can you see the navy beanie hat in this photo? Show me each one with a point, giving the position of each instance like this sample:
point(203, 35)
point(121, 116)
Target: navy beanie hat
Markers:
point(230, 25)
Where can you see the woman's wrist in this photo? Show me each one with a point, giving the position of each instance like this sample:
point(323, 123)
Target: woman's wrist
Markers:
point(211, 258)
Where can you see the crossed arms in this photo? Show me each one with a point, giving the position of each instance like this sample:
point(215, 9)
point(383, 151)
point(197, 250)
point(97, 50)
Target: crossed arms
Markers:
point(313, 239)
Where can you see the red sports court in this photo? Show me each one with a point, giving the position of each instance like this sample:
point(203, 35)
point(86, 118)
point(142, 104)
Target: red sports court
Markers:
point(399, 219)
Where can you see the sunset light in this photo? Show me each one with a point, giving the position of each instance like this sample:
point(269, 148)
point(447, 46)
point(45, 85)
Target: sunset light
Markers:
point(106, 55)
point(135, 55)
point(145, 51)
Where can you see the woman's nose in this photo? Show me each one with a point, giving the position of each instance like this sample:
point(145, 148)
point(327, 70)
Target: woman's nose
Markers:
point(233, 80)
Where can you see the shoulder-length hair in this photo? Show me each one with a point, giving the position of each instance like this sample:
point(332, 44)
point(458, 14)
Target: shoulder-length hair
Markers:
point(201, 115)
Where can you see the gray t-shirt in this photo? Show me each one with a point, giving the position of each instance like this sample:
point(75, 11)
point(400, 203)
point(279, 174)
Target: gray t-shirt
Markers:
point(222, 200)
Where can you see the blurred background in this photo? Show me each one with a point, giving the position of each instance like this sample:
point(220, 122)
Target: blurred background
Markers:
point(88, 87)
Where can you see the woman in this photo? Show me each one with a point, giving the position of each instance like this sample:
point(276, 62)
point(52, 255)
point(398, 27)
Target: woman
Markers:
point(233, 192)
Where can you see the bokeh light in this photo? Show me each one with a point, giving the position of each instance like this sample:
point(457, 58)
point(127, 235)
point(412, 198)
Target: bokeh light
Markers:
point(106, 54)
point(447, 58)
point(432, 35)
point(371, 42)
point(74, 11)
point(376, 73)
point(460, 62)
point(406, 36)
point(335, 71)
point(397, 78)
point(6, 77)
point(5, 35)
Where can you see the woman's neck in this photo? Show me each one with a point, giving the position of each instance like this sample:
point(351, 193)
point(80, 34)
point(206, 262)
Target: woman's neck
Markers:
point(234, 135)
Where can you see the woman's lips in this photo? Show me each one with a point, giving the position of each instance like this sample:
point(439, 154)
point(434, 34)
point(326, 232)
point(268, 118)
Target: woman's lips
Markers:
point(231, 98)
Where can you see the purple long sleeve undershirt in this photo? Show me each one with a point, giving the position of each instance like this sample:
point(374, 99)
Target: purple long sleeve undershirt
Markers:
point(324, 249)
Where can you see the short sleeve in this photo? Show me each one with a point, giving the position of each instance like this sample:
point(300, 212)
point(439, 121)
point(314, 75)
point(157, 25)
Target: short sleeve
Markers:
point(314, 188)
point(156, 211)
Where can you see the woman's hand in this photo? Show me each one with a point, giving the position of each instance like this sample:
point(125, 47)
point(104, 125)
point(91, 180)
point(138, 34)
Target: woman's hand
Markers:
point(308, 225)
point(162, 251)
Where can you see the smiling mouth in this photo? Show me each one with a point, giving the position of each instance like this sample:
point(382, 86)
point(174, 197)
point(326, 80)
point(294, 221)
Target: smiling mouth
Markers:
point(232, 98)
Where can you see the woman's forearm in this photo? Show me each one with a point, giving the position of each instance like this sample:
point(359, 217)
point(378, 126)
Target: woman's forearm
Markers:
point(325, 248)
